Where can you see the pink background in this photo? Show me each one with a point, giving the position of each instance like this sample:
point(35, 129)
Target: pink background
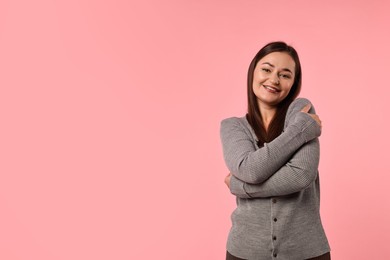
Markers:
point(110, 115)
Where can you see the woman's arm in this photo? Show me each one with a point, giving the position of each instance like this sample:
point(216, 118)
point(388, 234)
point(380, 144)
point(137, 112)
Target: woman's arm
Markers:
point(255, 166)
point(296, 175)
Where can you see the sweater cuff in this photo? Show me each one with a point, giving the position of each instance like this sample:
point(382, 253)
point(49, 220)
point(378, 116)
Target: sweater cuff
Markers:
point(306, 126)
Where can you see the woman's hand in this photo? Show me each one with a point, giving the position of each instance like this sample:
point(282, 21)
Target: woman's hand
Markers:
point(314, 116)
point(227, 179)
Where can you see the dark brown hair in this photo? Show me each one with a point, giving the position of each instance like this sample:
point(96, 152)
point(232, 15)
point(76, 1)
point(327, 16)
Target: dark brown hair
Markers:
point(254, 116)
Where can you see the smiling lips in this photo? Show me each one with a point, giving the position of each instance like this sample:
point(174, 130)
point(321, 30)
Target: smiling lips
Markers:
point(271, 89)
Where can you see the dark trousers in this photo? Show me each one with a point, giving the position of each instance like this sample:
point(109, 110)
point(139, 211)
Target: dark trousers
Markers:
point(321, 257)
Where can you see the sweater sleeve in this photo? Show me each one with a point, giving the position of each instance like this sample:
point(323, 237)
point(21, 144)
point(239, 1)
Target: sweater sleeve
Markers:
point(256, 166)
point(296, 175)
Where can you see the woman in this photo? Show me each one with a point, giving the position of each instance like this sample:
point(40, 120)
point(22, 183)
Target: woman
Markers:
point(273, 155)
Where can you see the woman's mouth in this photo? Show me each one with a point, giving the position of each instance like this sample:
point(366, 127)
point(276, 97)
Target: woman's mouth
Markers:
point(271, 89)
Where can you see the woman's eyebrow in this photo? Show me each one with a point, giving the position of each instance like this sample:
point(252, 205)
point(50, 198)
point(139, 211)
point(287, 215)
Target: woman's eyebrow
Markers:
point(273, 66)
point(269, 64)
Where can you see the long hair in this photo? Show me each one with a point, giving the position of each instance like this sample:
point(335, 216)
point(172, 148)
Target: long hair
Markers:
point(254, 116)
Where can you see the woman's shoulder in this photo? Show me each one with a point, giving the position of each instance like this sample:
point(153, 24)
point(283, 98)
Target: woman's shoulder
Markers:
point(231, 123)
point(233, 120)
point(236, 127)
point(300, 102)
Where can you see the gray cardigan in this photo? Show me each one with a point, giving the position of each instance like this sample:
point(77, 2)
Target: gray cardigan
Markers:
point(277, 189)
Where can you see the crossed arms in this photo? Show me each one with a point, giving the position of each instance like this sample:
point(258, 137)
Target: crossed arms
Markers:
point(283, 166)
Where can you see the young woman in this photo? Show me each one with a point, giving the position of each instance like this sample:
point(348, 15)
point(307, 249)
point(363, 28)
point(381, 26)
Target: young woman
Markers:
point(273, 154)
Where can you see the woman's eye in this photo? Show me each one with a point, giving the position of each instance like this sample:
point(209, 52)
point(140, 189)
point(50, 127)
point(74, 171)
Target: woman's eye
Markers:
point(266, 70)
point(286, 76)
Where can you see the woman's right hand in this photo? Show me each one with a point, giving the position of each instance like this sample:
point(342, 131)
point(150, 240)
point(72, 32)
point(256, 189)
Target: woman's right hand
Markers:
point(314, 116)
point(308, 124)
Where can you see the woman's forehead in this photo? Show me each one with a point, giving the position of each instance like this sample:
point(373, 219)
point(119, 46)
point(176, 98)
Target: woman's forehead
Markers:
point(278, 60)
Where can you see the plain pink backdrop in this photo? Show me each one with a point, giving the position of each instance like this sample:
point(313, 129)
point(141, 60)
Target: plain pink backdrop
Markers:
point(110, 112)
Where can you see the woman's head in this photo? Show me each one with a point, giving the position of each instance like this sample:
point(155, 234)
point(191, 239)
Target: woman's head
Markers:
point(275, 70)
point(274, 79)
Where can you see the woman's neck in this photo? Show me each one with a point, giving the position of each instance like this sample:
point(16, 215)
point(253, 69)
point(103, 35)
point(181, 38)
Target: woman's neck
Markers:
point(267, 114)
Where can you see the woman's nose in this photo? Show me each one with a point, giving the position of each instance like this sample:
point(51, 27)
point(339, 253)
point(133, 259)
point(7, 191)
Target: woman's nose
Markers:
point(275, 79)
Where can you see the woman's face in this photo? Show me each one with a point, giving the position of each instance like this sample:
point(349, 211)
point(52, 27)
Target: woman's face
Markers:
point(273, 78)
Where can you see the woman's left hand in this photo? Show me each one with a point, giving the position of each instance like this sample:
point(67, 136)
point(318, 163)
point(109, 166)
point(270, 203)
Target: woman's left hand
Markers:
point(227, 179)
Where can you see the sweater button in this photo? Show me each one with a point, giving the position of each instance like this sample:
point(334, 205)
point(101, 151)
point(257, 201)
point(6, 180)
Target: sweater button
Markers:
point(275, 254)
point(274, 200)
point(275, 219)
point(274, 238)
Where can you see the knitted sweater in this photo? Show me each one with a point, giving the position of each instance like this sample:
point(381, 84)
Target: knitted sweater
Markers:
point(277, 189)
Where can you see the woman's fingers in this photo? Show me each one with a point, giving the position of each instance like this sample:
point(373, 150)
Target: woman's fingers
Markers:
point(316, 118)
point(227, 179)
point(306, 108)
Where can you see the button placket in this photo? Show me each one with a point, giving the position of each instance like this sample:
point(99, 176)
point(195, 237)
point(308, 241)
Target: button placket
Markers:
point(274, 220)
